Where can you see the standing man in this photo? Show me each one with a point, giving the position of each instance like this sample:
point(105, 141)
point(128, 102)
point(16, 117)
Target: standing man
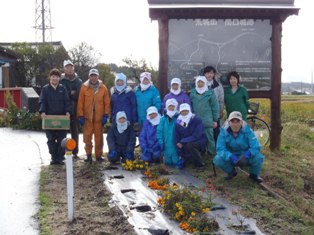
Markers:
point(72, 83)
point(54, 100)
point(93, 109)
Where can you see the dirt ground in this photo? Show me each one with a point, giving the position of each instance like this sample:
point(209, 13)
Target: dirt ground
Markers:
point(93, 214)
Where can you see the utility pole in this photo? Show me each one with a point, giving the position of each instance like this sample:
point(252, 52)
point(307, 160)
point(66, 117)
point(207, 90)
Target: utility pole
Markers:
point(312, 81)
point(43, 21)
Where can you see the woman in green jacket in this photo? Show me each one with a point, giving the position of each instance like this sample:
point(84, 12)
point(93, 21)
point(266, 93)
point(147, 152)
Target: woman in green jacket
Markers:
point(205, 106)
point(236, 96)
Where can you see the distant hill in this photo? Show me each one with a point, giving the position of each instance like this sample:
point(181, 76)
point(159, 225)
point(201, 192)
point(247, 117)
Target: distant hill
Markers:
point(300, 87)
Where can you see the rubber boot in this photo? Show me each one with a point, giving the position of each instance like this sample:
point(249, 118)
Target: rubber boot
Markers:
point(256, 178)
point(231, 175)
point(89, 159)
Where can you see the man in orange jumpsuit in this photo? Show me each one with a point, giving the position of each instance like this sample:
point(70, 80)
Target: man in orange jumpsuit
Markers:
point(93, 109)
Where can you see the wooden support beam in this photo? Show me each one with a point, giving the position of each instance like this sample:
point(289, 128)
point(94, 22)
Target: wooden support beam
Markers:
point(276, 128)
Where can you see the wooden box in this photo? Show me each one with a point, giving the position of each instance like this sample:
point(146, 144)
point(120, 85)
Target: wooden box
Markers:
point(56, 122)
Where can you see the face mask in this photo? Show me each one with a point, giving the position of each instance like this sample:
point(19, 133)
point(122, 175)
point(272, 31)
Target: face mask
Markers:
point(122, 126)
point(201, 90)
point(175, 92)
point(120, 88)
point(171, 113)
point(185, 119)
point(144, 87)
point(155, 121)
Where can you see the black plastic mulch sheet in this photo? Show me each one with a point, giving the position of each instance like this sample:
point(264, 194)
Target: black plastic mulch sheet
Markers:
point(139, 204)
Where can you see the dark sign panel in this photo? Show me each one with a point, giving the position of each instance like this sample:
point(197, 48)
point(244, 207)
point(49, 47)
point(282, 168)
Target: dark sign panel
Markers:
point(243, 45)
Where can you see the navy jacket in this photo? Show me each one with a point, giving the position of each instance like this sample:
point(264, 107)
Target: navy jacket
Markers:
point(54, 101)
point(194, 132)
point(124, 101)
point(124, 141)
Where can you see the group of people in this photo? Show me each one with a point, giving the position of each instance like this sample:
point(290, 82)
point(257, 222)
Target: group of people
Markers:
point(179, 129)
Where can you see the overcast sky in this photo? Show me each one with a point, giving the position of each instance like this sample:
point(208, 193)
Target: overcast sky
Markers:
point(122, 28)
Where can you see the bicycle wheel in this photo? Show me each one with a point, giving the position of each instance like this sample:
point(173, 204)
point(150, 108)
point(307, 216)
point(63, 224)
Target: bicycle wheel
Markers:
point(260, 128)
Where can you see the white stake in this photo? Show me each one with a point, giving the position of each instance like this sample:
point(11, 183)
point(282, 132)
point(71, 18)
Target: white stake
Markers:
point(70, 187)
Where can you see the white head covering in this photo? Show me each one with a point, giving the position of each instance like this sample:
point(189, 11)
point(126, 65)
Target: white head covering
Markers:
point(174, 102)
point(175, 81)
point(121, 126)
point(142, 77)
point(184, 120)
point(201, 90)
point(155, 121)
point(120, 76)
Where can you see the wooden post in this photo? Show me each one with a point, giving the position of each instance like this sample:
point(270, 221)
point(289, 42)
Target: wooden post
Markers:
point(163, 56)
point(276, 128)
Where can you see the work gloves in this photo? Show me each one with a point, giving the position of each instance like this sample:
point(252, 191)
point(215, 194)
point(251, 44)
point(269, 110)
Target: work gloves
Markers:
point(82, 120)
point(113, 156)
point(234, 159)
point(104, 119)
point(129, 155)
point(247, 155)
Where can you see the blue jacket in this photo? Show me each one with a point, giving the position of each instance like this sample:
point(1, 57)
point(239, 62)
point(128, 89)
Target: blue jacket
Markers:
point(54, 101)
point(227, 145)
point(124, 141)
point(165, 131)
point(148, 137)
point(124, 101)
point(194, 132)
point(149, 97)
point(246, 140)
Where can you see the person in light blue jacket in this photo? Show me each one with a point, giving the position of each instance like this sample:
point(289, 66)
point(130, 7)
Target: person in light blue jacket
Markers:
point(146, 95)
point(151, 149)
point(165, 133)
point(237, 145)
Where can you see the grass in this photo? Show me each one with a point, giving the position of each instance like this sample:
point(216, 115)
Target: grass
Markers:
point(46, 204)
point(293, 108)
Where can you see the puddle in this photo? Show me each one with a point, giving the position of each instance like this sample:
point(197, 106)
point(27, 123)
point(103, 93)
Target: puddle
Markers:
point(139, 204)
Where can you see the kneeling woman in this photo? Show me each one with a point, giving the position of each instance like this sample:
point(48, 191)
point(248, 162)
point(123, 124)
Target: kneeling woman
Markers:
point(190, 137)
point(121, 139)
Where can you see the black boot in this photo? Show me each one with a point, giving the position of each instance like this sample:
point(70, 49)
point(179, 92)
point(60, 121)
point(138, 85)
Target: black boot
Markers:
point(256, 178)
point(89, 159)
point(232, 174)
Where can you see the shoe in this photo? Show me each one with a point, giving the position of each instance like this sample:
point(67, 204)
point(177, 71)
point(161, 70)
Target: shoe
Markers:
point(200, 166)
point(100, 159)
point(75, 157)
point(60, 163)
point(52, 162)
point(89, 159)
point(231, 175)
point(256, 178)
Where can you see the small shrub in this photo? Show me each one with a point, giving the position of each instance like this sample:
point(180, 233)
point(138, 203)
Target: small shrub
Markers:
point(19, 118)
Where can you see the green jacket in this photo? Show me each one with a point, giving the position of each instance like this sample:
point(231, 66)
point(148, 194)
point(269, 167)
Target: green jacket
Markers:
point(238, 101)
point(205, 106)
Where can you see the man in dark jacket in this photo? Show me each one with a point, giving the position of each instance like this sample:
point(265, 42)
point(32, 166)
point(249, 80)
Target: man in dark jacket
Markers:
point(190, 137)
point(121, 139)
point(71, 81)
point(54, 100)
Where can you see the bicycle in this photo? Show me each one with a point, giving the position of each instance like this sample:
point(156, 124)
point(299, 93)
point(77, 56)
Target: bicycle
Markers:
point(258, 125)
